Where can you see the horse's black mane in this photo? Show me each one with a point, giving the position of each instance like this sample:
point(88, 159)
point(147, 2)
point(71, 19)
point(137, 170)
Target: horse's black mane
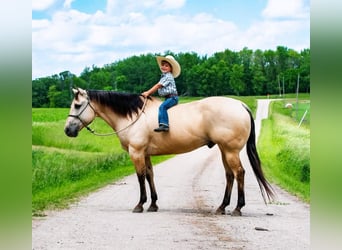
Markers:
point(124, 104)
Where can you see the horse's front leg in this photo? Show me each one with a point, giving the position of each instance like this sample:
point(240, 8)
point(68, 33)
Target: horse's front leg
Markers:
point(139, 207)
point(138, 160)
point(149, 175)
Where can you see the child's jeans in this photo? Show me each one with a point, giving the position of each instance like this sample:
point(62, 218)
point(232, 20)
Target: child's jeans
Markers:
point(163, 117)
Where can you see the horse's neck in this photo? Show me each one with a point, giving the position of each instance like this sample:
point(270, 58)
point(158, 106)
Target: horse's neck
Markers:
point(110, 117)
point(118, 122)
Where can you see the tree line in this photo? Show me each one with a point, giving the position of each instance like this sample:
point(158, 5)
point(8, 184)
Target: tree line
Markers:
point(244, 72)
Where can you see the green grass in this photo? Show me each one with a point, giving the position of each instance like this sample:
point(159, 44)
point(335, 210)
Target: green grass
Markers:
point(59, 176)
point(49, 114)
point(285, 151)
point(297, 111)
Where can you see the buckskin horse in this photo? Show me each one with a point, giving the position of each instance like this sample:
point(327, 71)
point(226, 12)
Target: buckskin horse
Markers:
point(223, 121)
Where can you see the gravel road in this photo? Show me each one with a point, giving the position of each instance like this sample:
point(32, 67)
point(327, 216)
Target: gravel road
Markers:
point(190, 187)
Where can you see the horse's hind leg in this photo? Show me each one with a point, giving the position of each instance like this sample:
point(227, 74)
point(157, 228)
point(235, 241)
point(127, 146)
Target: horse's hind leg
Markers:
point(229, 186)
point(232, 162)
point(149, 176)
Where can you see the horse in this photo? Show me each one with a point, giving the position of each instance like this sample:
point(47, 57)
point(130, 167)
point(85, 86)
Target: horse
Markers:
point(216, 120)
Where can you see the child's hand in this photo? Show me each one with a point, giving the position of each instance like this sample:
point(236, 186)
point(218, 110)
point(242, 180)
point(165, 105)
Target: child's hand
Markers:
point(145, 94)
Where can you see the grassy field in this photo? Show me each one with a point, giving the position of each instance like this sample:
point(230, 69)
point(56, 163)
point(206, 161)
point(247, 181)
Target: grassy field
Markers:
point(63, 168)
point(285, 147)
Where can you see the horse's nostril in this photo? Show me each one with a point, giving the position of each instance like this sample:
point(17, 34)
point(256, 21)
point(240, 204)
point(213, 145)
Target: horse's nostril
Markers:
point(71, 131)
point(67, 130)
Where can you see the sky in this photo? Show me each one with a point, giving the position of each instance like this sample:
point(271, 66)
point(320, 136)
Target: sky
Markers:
point(75, 34)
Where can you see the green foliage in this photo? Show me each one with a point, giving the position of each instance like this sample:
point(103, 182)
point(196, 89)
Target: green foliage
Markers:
point(285, 151)
point(245, 73)
point(49, 115)
point(236, 79)
point(60, 175)
point(66, 166)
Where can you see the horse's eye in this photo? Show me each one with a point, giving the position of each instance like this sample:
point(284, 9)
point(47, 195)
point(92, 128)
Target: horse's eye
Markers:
point(77, 106)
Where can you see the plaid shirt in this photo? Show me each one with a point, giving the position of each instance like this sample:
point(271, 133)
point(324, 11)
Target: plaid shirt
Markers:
point(169, 85)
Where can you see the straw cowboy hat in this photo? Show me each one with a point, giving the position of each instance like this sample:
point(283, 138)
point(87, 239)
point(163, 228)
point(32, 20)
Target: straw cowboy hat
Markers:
point(176, 69)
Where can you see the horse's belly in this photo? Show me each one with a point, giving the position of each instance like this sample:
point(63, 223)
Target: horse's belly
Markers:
point(178, 146)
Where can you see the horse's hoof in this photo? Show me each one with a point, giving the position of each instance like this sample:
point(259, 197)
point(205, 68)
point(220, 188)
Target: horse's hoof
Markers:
point(152, 208)
point(220, 211)
point(138, 209)
point(236, 213)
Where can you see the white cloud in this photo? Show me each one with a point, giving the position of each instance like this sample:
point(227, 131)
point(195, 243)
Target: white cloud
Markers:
point(286, 9)
point(77, 40)
point(173, 4)
point(40, 5)
point(67, 3)
point(268, 34)
point(40, 24)
point(73, 40)
point(121, 8)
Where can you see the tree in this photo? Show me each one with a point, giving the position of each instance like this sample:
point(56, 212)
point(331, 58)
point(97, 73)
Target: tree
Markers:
point(304, 70)
point(55, 97)
point(187, 61)
point(40, 89)
point(258, 72)
point(271, 73)
point(245, 56)
point(236, 79)
point(222, 75)
point(245, 72)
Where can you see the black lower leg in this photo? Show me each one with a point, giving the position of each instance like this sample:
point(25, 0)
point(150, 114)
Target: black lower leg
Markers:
point(139, 207)
point(241, 194)
point(227, 194)
point(240, 204)
point(154, 197)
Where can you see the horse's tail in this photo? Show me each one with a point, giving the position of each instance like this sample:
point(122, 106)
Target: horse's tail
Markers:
point(254, 159)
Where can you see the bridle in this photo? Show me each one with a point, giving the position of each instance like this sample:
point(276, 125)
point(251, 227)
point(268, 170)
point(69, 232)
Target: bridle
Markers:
point(107, 134)
point(79, 116)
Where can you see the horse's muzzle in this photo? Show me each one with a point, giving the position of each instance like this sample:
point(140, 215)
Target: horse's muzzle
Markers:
point(71, 131)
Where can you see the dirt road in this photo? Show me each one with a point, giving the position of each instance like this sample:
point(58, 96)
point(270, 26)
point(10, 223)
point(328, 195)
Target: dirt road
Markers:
point(190, 187)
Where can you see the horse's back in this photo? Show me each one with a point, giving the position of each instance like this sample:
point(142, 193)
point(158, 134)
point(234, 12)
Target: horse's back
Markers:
point(214, 117)
point(214, 109)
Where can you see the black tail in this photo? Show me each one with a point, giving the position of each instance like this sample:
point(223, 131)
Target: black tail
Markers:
point(254, 159)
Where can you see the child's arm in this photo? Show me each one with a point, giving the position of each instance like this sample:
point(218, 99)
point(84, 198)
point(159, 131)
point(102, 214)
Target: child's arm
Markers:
point(152, 90)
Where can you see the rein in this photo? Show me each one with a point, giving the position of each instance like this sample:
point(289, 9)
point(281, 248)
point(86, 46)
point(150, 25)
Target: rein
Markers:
point(112, 133)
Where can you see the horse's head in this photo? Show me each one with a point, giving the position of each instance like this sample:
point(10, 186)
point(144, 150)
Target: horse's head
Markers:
point(81, 113)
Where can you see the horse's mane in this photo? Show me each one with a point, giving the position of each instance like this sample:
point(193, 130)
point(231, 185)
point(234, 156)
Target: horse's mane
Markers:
point(124, 104)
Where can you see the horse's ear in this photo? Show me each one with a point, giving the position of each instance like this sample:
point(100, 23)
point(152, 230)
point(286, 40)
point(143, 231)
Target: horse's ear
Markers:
point(75, 91)
point(82, 91)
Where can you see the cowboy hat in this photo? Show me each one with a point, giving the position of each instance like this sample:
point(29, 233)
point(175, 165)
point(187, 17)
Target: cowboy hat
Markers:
point(176, 69)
